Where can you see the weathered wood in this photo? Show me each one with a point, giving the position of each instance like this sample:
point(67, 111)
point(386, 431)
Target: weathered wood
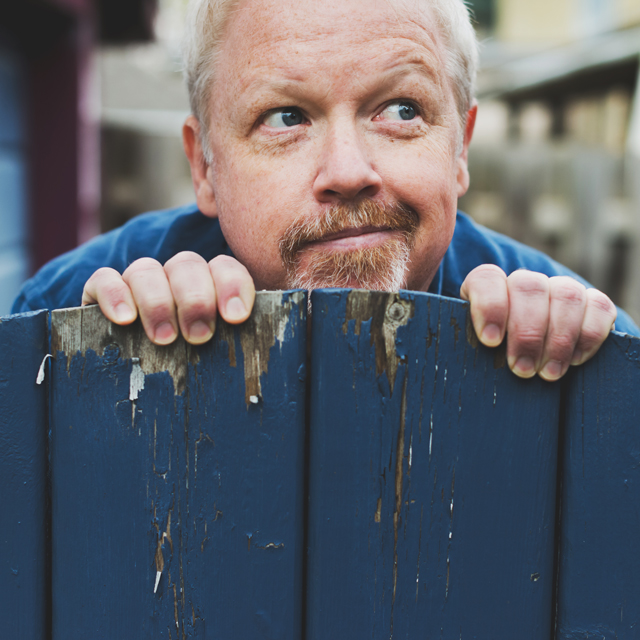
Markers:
point(24, 592)
point(599, 577)
point(177, 478)
point(432, 477)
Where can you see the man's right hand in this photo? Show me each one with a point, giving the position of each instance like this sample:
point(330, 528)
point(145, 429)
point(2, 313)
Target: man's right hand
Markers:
point(185, 295)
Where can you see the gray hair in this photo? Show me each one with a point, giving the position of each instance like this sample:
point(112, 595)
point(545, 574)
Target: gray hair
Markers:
point(206, 20)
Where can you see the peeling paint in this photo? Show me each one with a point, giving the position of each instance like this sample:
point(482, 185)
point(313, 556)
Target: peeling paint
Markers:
point(388, 312)
point(456, 328)
point(41, 370)
point(76, 330)
point(472, 337)
point(399, 476)
point(136, 381)
point(267, 325)
point(73, 330)
point(271, 545)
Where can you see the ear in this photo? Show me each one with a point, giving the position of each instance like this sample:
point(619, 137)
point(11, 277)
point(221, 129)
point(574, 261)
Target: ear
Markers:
point(462, 177)
point(201, 171)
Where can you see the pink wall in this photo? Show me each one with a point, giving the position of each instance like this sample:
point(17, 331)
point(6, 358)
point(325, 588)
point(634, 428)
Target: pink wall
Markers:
point(64, 142)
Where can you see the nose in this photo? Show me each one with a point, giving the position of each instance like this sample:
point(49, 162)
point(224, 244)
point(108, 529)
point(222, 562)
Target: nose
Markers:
point(345, 172)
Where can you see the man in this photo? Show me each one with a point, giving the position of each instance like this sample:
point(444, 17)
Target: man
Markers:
point(328, 147)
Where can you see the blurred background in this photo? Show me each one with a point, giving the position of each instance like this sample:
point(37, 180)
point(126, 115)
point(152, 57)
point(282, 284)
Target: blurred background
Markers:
point(92, 103)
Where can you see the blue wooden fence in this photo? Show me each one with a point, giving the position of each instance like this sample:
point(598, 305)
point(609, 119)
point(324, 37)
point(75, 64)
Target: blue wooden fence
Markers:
point(24, 574)
point(371, 473)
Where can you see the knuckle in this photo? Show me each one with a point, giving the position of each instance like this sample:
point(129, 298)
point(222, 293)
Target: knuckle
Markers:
point(227, 263)
point(529, 339)
point(107, 285)
point(155, 305)
point(142, 265)
point(489, 271)
point(104, 274)
point(590, 337)
point(529, 282)
point(561, 345)
point(185, 257)
point(483, 276)
point(197, 304)
point(601, 302)
point(568, 291)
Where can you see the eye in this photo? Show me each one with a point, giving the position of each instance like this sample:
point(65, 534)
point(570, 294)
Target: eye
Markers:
point(283, 118)
point(400, 111)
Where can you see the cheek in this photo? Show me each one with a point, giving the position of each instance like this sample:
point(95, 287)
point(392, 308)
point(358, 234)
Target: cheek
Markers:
point(424, 178)
point(426, 182)
point(256, 203)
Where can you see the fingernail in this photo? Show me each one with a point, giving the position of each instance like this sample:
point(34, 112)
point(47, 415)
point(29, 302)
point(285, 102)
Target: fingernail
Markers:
point(577, 357)
point(165, 333)
point(552, 370)
point(491, 335)
point(523, 367)
point(236, 309)
point(124, 313)
point(200, 332)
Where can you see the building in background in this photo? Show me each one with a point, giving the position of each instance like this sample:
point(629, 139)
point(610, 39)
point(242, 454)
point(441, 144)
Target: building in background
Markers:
point(144, 105)
point(554, 163)
point(49, 125)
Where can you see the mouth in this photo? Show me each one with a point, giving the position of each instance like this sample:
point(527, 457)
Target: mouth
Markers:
point(354, 238)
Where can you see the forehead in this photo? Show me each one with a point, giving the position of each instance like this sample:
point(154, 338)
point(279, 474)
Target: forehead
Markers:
point(298, 36)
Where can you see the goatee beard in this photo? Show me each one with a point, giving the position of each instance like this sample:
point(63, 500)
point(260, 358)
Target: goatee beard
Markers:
point(382, 268)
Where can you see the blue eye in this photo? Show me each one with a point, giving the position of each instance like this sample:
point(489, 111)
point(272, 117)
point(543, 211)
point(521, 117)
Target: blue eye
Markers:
point(287, 117)
point(400, 111)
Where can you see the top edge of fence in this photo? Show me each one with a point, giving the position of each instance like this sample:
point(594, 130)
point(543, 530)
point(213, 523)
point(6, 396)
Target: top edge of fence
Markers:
point(26, 314)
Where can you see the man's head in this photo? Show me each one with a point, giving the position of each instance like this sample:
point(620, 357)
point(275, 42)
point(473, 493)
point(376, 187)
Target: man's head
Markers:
point(330, 137)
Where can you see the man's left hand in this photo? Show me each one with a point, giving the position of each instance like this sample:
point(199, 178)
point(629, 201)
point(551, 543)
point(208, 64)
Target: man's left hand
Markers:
point(550, 323)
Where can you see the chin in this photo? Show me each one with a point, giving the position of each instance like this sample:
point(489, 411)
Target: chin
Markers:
point(381, 268)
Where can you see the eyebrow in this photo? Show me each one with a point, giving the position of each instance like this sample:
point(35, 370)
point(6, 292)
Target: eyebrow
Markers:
point(291, 82)
point(426, 65)
point(267, 84)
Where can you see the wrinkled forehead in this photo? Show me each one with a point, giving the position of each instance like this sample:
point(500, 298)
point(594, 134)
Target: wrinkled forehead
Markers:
point(260, 30)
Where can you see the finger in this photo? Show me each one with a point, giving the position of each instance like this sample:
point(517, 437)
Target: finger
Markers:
point(107, 288)
point(528, 320)
point(194, 295)
point(486, 290)
point(235, 290)
point(567, 304)
point(151, 291)
point(599, 318)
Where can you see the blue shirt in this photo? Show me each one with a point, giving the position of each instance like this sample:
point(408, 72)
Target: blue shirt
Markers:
point(162, 234)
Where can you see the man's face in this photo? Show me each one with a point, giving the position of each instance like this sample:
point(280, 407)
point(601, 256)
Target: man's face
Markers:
point(335, 138)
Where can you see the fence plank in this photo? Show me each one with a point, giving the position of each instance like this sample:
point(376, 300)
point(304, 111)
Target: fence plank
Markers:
point(23, 467)
point(432, 477)
point(178, 478)
point(599, 584)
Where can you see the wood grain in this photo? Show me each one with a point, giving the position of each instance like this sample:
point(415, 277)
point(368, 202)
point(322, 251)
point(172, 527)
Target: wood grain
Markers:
point(178, 478)
point(599, 576)
point(24, 579)
point(432, 477)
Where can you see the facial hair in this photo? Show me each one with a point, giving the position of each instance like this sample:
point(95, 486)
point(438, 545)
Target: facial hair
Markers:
point(382, 268)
